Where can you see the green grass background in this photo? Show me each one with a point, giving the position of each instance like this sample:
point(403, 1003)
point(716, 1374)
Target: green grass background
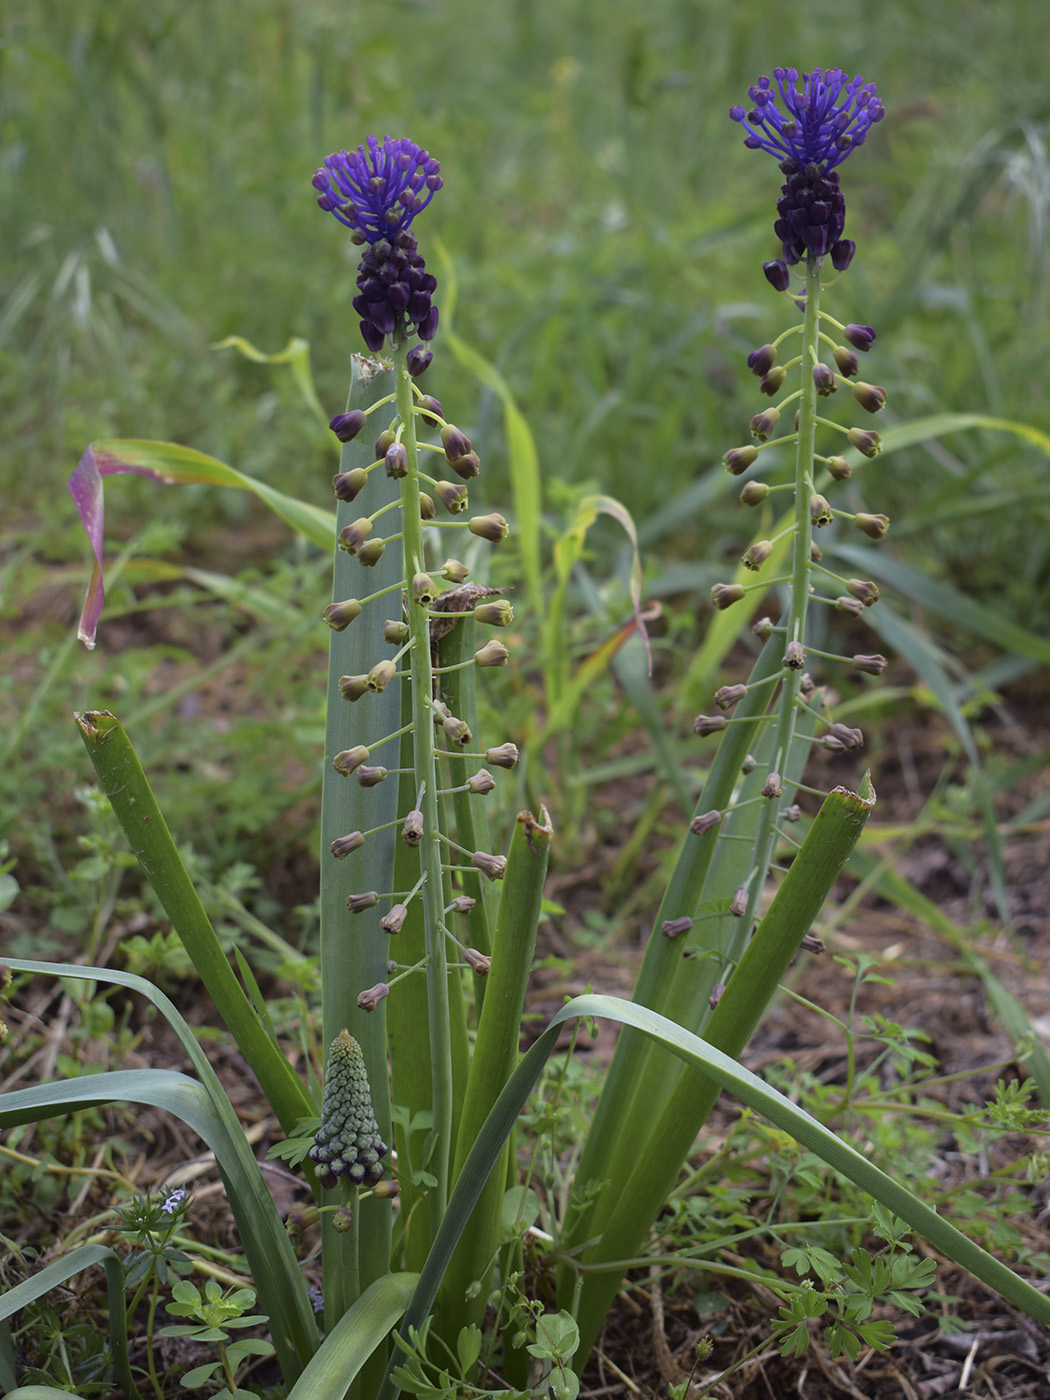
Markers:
point(606, 226)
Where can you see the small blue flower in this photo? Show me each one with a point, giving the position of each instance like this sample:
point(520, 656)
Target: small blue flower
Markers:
point(173, 1202)
point(378, 191)
point(820, 125)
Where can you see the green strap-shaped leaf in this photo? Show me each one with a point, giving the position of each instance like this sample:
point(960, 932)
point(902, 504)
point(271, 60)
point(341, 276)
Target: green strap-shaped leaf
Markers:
point(361, 1329)
point(142, 821)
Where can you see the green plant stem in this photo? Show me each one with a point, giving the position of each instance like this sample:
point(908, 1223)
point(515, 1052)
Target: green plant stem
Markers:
point(425, 778)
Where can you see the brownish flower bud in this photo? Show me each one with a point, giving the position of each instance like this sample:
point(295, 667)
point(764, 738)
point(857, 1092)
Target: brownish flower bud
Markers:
point(452, 496)
point(726, 696)
point(493, 867)
point(874, 526)
point(347, 485)
point(370, 775)
point(824, 379)
point(763, 423)
point(346, 426)
point(671, 928)
point(458, 731)
point(705, 822)
point(820, 511)
point(724, 595)
point(427, 508)
point(481, 783)
point(738, 904)
point(387, 1189)
point(358, 903)
point(773, 786)
point(839, 468)
point(716, 994)
point(852, 606)
point(353, 536)
point(422, 590)
point(454, 571)
point(368, 1001)
point(870, 396)
point(846, 360)
point(342, 846)
point(340, 615)
point(792, 813)
point(492, 654)
point(806, 686)
point(462, 904)
point(455, 443)
point(863, 337)
point(488, 527)
point(504, 756)
point(762, 360)
point(495, 614)
point(383, 441)
point(380, 676)
point(395, 459)
point(815, 553)
point(430, 410)
point(370, 553)
point(394, 632)
point(708, 724)
point(771, 383)
point(350, 759)
point(342, 1220)
point(467, 466)
point(812, 944)
point(738, 459)
point(749, 764)
point(754, 493)
point(850, 739)
point(412, 831)
point(794, 656)
point(867, 443)
point(870, 665)
point(863, 589)
point(763, 628)
point(393, 921)
point(353, 687)
point(757, 555)
point(477, 961)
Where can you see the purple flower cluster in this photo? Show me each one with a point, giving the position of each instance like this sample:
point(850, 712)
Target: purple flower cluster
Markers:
point(377, 191)
point(819, 126)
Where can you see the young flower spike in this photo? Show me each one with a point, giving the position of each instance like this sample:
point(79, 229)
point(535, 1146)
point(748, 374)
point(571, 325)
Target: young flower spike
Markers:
point(347, 1142)
point(810, 133)
point(376, 191)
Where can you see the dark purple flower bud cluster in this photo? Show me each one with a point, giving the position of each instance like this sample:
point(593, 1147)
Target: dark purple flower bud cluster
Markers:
point(810, 132)
point(377, 191)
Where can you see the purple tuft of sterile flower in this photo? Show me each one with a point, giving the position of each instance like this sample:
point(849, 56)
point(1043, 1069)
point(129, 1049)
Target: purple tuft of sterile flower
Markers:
point(820, 124)
point(376, 191)
point(810, 132)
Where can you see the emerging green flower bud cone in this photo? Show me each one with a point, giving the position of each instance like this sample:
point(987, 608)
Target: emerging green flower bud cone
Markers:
point(340, 615)
point(738, 459)
point(347, 1143)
